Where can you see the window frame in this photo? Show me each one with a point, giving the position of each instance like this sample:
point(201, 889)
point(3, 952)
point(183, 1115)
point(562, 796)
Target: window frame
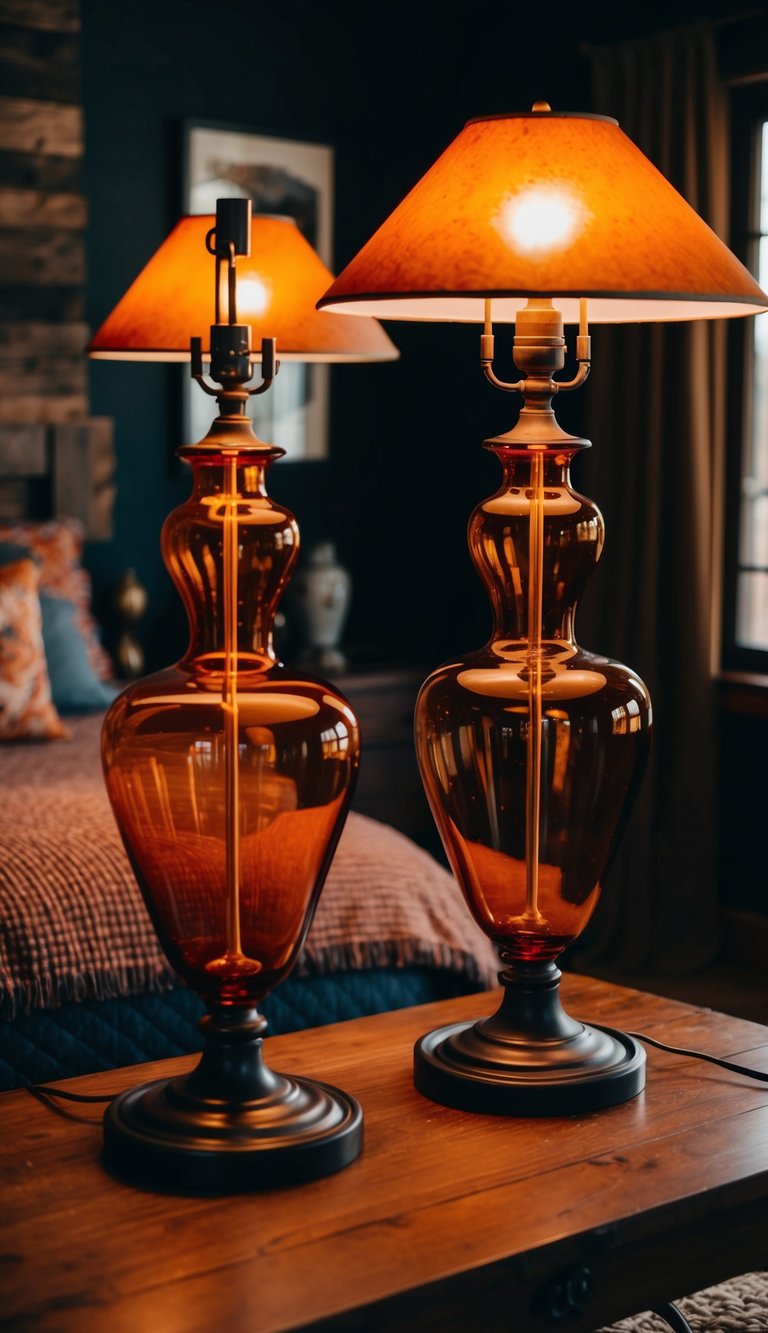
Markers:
point(749, 110)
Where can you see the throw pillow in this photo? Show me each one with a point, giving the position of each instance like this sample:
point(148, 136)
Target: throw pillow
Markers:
point(74, 686)
point(26, 707)
point(58, 545)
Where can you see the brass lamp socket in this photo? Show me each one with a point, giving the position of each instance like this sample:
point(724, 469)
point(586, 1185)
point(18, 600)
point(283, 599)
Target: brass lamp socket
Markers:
point(539, 346)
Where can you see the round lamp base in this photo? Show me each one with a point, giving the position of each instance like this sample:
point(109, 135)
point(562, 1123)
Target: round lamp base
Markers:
point(530, 1058)
point(150, 1139)
point(232, 1124)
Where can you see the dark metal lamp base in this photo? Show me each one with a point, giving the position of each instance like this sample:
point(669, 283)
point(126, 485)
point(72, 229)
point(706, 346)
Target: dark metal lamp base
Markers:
point(232, 1123)
point(530, 1057)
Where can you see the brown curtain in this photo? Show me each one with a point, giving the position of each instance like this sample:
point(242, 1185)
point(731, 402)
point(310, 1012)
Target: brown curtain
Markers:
point(656, 418)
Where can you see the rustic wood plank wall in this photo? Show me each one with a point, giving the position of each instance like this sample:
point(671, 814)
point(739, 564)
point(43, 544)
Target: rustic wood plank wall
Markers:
point(43, 214)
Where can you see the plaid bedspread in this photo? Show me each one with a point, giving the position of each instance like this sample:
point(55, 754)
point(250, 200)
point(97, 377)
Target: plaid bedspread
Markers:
point(73, 924)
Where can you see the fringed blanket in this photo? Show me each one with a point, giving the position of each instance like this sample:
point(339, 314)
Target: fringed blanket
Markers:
point(73, 924)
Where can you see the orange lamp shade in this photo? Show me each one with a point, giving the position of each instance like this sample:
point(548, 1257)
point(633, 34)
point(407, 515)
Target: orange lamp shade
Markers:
point(277, 285)
point(545, 204)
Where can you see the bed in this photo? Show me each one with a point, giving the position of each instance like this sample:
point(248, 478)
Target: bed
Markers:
point(84, 985)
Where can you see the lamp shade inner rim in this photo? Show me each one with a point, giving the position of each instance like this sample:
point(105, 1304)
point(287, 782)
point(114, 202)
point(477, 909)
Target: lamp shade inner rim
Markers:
point(603, 308)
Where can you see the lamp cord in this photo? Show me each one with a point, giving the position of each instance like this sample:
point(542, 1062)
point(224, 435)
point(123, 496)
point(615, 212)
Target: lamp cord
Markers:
point(41, 1091)
point(701, 1055)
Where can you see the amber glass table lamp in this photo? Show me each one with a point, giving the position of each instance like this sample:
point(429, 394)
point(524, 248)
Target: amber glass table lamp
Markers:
point(532, 749)
point(229, 775)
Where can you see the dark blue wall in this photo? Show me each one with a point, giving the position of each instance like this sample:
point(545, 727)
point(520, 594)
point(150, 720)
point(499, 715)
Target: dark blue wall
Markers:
point(389, 83)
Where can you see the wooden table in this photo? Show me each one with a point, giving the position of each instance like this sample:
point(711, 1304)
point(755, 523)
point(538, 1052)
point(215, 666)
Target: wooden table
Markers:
point(448, 1221)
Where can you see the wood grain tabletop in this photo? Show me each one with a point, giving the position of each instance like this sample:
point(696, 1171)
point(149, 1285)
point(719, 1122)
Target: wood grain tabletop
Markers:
point(448, 1220)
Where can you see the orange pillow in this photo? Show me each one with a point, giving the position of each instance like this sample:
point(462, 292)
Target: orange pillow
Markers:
point(26, 707)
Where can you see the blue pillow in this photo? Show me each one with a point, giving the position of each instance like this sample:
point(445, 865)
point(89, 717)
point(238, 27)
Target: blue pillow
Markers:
point(74, 687)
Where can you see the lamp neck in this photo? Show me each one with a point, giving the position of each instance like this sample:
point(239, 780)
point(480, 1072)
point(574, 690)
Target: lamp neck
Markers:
point(500, 544)
point(232, 429)
point(538, 352)
point(230, 522)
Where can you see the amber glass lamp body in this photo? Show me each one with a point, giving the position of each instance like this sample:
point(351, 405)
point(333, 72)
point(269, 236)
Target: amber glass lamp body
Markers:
point(479, 720)
point(531, 750)
point(230, 778)
point(231, 886)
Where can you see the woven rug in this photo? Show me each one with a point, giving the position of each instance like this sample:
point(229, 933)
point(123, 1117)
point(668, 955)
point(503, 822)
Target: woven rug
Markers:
point(737, 1306)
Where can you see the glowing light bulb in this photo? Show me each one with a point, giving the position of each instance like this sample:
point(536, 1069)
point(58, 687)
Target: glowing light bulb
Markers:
point(252, 297)
point(541, 218)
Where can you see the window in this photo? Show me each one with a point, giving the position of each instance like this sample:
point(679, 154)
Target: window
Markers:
point(746, 602)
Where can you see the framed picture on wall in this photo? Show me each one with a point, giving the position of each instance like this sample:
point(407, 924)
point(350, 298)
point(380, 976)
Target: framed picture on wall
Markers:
point(292, 178)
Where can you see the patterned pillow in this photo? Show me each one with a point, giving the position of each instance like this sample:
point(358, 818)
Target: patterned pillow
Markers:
point(58, 545)
point(26, 709)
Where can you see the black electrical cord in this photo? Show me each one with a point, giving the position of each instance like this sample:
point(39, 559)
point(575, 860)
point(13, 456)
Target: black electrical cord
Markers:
point(56, 1099)
point(701, 1055)
point(673, 1317)
point(41, 1091)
